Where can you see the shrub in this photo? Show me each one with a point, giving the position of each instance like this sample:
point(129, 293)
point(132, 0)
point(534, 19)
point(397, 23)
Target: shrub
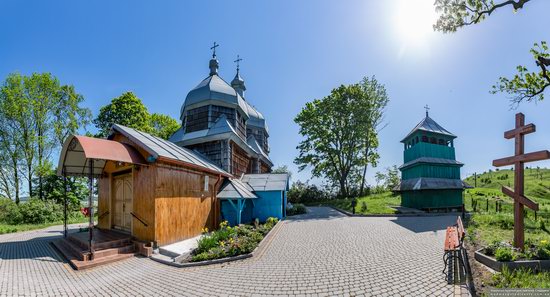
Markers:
point(504, 254)
point(363, 207)
point(543, 250)
point(9, 212)
point(303, 192)
point(296, 209)
point(36, 211)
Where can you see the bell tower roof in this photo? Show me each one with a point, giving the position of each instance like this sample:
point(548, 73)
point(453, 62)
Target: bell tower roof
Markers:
point(429, 125)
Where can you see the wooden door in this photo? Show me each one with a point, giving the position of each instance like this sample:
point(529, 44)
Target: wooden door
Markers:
point(122, 202)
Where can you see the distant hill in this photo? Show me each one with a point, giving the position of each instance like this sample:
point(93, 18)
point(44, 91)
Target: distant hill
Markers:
point(537, 183)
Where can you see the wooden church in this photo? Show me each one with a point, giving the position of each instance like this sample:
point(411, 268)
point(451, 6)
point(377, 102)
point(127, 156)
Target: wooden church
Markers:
point(430, 175)
point(154, 192)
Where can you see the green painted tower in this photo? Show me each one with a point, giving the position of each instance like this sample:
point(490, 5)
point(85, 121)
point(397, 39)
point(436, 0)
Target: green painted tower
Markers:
point(430, 175)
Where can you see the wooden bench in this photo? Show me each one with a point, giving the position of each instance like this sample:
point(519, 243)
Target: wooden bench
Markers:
point(454, 239)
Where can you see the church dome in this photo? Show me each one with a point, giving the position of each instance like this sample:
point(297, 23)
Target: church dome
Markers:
point(214, 90)
point(256, 119)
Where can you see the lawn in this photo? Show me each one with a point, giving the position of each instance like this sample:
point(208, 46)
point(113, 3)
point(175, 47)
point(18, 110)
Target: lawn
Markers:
point(487, 225)
point(372, 204)
point(7, 228)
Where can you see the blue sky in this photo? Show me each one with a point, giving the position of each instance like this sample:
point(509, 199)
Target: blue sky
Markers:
point(293, 51)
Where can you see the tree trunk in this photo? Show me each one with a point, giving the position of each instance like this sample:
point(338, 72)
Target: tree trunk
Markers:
point(16, 180)
point(29, 175)
point(367, 148)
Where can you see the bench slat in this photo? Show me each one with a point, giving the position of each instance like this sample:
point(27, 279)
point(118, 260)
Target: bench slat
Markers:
point(460, 228)
point(451, 239)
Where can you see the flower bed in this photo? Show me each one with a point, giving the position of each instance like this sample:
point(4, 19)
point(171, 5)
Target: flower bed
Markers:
point(501, 255)
point(231, 241)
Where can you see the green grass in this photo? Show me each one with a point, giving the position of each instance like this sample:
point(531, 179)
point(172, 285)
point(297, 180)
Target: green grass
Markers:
point(537, 186)
point(375, 203)
point(486, 225)
point(520, 279)
point(6, 228)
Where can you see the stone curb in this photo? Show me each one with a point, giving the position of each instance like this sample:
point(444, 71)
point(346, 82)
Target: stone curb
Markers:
point(258, 251)
point(538, 265)
point(349, 214)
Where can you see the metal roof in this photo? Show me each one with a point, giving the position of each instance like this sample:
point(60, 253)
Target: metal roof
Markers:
point(78, 150)
point(256, 118)
point(267, 181)
point(159, 147)
point(214, 90)
point(234, 189)
point(430, 183)
point(221, 129)
point(429, 125)
point(431, 160)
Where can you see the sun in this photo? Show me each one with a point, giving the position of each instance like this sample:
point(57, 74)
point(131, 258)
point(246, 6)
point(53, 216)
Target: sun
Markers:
point(414, 20)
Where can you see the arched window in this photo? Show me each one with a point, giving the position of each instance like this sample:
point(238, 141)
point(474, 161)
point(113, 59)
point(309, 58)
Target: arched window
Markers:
point(424, 138)
point(433, 140)
point(441, 141)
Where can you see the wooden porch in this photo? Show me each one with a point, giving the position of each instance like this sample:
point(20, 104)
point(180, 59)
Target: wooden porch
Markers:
point(108, 245)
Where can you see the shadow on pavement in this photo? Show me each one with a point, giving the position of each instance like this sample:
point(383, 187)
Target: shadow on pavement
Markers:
point(36, 248)
point(425, 223)
point(317, 213)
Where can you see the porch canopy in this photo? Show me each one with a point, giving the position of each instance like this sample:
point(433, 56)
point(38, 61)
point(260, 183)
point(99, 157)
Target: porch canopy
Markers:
point(78, 151)
point(236, 192)
point(86, 156)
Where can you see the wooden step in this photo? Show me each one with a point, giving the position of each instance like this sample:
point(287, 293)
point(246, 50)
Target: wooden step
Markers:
point(114, 251)
point(79, 259)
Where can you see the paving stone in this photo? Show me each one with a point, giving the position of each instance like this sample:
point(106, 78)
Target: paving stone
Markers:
point(322, 253)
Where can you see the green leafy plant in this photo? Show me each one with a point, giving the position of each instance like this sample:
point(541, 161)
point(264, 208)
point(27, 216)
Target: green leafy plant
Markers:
point(504, 254)
point(231, 241)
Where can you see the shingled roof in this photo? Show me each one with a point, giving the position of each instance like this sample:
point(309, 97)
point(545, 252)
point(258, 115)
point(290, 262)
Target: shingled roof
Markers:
point(429, 125)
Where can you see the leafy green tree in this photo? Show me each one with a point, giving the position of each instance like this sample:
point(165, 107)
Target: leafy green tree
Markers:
point(126, 110)
point(163, 126)
point(374, 100)
point(36, 113)
point(54, 189)
point(282, 169)
point(525, 85)
point(68, 115)
point(16, 133)
point(336, 131)
point(389, 179)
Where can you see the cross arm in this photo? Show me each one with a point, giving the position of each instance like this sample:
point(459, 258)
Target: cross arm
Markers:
point(529, 128)
point(529, 157)
point(520, 198)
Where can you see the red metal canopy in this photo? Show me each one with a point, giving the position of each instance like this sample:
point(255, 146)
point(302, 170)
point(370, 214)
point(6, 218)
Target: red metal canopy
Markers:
point(78, 150)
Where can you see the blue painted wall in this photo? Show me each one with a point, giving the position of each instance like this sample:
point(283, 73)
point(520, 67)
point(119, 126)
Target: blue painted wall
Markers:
point(230, 215)
point(268, 204)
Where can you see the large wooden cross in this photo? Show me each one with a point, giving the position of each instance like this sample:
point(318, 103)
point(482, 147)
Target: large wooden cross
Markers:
point(518, 160)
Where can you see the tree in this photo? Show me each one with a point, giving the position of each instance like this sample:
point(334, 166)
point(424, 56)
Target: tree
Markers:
point(54, 189)
point(16, 134)
point(375, 100)
point(129, 111)
point(336, 130)
point(389, 178)
point(163, 126)
point(525, 85)
point(282, 169)
point(126, 110)
point(37, 113)
point(68, 115)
